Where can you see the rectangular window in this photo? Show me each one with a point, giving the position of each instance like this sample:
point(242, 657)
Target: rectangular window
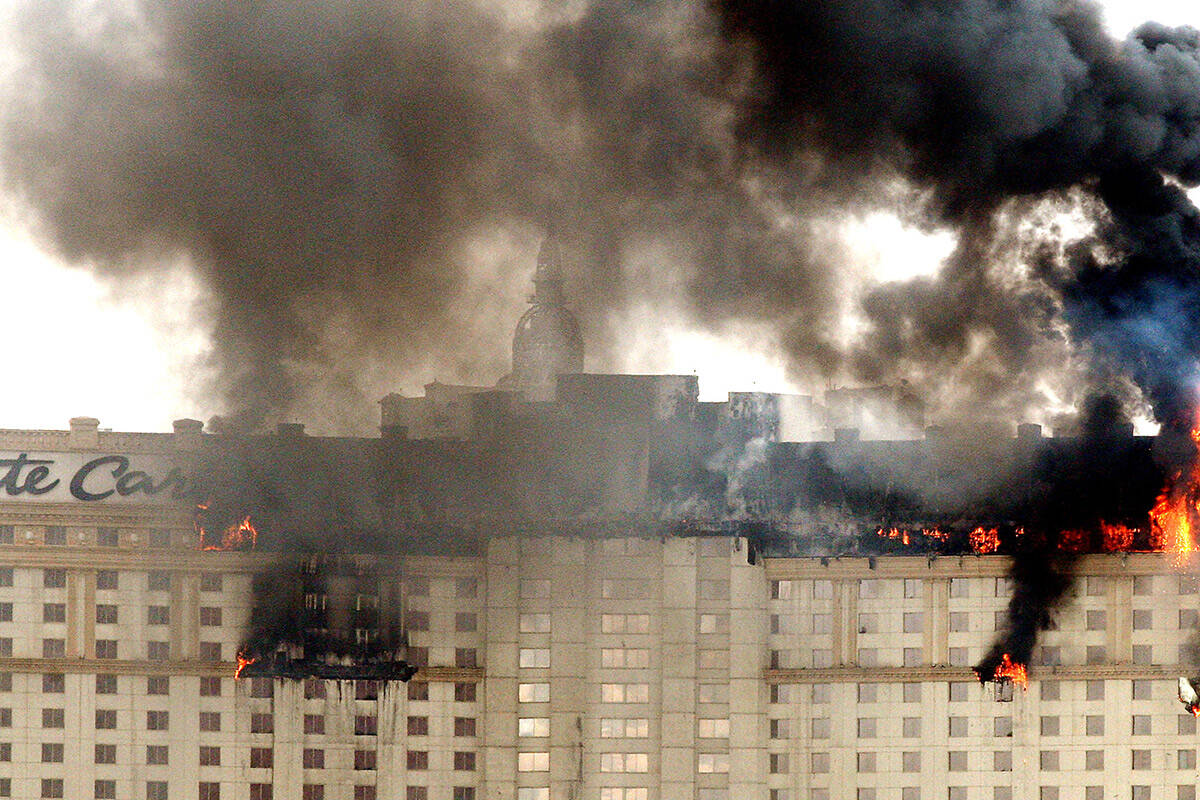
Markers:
point(364, 759)
point(108, 537)
point(260, 791)
point(210, 616)
point(106, 684)
point(106, 719)
point(158, 615)
point(56, 536)
point(314, 758)
point(533, 692)
point(537, 762)
point(314, 724)
point(52, 752)
point(210, 721)
point(534, 623)
point(712, 762)
point(54, 683)
point(157, 720)
point(52, 718)
point(158, 581)
point(210, 686)
point(105, 754)
point(210, 651)
point(210, 756)
point(417, 760)
point(465, 622)
point(464, 726)
point(365, 725)
point(262, 757)
point(210, 582)
point(534, 658)
point(106, 648)
point(157, 754)
point(106, 579)
point(262, 722)
point(158, 651)
point(209, 790)
point(464, 761)
point(712, 728)
point(536, 726)
point(6, 612)
point(54, 612)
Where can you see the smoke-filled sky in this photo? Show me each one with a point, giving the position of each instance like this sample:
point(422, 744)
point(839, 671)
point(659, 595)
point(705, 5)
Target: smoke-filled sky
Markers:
point(293, 208)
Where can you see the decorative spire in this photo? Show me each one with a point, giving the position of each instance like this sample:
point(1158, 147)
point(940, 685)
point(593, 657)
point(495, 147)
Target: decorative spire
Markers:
point(547, 279)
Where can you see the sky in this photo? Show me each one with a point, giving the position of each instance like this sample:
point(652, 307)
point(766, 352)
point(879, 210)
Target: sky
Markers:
point(136, 359)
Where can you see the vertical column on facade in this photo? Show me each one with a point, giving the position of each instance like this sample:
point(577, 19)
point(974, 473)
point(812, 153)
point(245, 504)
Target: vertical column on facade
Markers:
point(499, 690)
point(747, 649)
point(286, 773)
point(845, 621)
point(1120, 619)
point(185, 616)
point(1026, 740)
point(80, 715)
point(81, 614)
point(937, 621)
point(678, 669)
point(570, 589)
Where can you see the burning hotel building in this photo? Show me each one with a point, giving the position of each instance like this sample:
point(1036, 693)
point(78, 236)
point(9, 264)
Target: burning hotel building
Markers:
point(592, 587)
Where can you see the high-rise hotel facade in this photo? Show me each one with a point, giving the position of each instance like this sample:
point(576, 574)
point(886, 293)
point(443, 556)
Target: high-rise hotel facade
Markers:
point(562, 667)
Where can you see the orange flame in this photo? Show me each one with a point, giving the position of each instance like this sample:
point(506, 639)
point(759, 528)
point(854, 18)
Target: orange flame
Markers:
point(1008, 670)
point(242, 663)
point(985, 541)
point(241, 535)
point(894, 533)
point(1073, 541)
point(1116, 537)
point(935, 533)
point(1171, 527)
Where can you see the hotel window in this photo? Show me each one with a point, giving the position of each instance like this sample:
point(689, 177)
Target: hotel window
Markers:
point(959, 656)
point(467, 657)
point(533, 692)
point(5, 717)
point(366, 690)
point(259, 791)
point(56, 535)
point(5, 752)
point(6, 647)
point(313, 758)
point(1095, 690)
point(210, 651)
point(912, 588)
point(866, 728)
point(463, 692)
point(822, 624)
point(210, 686)
point(417, 760)
point(624, 693)
point(106, 579)
point(778, 729)
point(538, 726)
point(54, 683)
point(465, 622)
point(624, 623)
point(314, 689)
point(364, 759)
point(366, 725)
point(913, 793)
point(262, 687)
point(52, 787)
point(712, 659)
point(1189, 619)
point(537, 762)
point(417, 656)
point(1139, 792)
point(106, 648)
point(210, 582)
point(52, 752)
point(913, 656)
point(262, 723)
point(1185, 792)
point(1048, 760)
point(910, 727)
point(160, 539)
point(361, 793)
point(781, 590)
point(719, 623)
point(960, 622)
point(819, 763)
point(819, 728)
point(957, 727)
point(210, 756)
point(210, 616)
point(156, 754)
point(209, 790)
point(543, 793)
point(1093, 760)
point(624, 762)
point(1096, 620)
point(960, 691)
point(158, 581)
point(416, 793)
point(1096, 654)
point(157, 720)
point(262, 758)
point(6, 576)
point(464, 761)
point(1094, 725)
point(910, 761)
point(535, 623)
point(106, 719)
point(465, 588)
point(6, 534)
point(719, 693)
point(712, 728)
point(866, 762)
point(210, 721)
point(1142, 689)
point(914, 622)
point(105, 789)
point(419, 690)
point(6, 612)
point(158, 651)
point(960, 587)
point(417, 726)
point(464, 726)
point(54, 612)
point(712, 762)
point(1139, 759)
point(106, 614)
point(956, 761)
point(1185, 759)
point(52, 717)
point(629, 658)
point(158, 615)
point(1049, 726)
point(1141, 725)
point(868, 588)
point(1002, 761)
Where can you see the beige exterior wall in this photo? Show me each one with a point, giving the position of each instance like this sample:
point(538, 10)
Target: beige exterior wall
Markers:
point(627, 669)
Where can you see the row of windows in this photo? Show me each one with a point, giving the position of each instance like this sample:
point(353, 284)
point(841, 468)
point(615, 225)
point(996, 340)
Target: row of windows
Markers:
point(1098, 792)
point(108, 649)
point(1187, 619)
point(210, 790)
point(107, 614)
point(912, 588)
point(1044, 656)
point(109, 579)
point(967, 691)
point(56, 536)
point(961, 727)
point(209, 721)
point(958, 761)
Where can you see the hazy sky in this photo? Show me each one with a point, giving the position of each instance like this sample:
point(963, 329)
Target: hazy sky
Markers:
point(73, 348)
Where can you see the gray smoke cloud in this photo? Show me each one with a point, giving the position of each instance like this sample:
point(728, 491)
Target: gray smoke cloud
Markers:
point(329, 169)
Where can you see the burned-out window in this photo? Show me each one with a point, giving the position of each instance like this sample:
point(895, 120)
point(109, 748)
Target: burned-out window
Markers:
point(314, 689)
point(366, 690)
